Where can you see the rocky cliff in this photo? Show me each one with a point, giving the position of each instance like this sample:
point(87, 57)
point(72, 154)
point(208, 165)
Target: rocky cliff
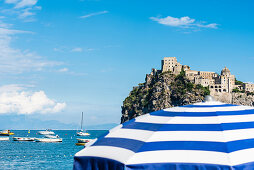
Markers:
point(164, 90)
point(160, 91)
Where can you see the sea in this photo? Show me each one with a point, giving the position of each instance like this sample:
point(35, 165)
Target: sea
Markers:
point(37, 155)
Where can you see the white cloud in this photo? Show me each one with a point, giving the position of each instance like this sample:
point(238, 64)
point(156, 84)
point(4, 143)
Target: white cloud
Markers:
point(77, 49)
point(11, 1)
point(14, 99)
point(16, 61)
point(25, 3)
point(183, 22)
point(94, 14)
point(63, 70)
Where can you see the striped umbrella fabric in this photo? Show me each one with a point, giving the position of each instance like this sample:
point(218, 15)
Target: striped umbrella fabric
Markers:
point(207, 135)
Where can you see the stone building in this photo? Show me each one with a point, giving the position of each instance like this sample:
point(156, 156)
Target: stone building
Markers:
point(248, 87)
point(225, 82)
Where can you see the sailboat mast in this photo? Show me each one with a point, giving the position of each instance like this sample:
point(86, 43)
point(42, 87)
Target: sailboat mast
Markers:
point(82, 121)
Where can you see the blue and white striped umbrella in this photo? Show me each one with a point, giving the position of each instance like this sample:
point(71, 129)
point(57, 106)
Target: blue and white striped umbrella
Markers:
point(208, 135)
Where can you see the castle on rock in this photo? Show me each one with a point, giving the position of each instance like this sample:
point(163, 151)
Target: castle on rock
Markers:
point(225, 82)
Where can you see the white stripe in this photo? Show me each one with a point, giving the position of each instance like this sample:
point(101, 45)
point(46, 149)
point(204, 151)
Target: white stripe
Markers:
point(208, 109)
point(191, 156)
point(180, 156)
point(110, 152)
point(141, 135)
point(197, 120)
point(212, 136)
point(209, 103)
point(242, 156)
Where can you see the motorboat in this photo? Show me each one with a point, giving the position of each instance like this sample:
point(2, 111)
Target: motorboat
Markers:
point(48, 140)
point(6, 133)
point(51, 136)
point(46, 132)
point(83, 140)
point(4, 138)
point(23, 139)
point(81, 132)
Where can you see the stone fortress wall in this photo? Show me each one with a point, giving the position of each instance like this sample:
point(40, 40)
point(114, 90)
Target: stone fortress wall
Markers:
point(223, 83)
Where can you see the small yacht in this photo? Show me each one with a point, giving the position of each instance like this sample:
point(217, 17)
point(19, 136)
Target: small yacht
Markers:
point(81, 132)
point(46, 132)
point(6, 133)
point(83, 140)
point(4, 138)
point(48, 140)
point(23, 139)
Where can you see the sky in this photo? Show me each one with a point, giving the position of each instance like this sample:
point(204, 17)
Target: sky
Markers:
point(59, 58)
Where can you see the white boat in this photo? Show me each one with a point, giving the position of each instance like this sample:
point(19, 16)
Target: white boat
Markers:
point(83, 140)
point(4, 138)
point(81, 132)
point(48, 140)
point(46, 132)
point(23, 139)
point(51, 136)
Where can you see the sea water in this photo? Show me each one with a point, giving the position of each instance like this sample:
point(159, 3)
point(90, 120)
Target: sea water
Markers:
point(37, 155)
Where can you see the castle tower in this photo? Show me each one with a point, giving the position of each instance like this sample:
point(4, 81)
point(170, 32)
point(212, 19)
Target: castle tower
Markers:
point(227, 80)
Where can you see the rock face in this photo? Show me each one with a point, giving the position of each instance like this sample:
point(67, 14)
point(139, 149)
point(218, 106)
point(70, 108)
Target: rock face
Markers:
point(164, 90)
point(235, 98)
point(160, 91)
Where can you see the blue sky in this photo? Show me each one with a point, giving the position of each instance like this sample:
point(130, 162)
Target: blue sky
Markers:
point(59, 58)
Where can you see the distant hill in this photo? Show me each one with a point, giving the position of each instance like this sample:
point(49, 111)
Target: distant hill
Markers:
point(20, 122)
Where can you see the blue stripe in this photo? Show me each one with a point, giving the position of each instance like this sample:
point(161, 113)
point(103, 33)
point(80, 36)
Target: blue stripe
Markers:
point(140, 146)
point(189, 127)
point(98, 163)
point(200, 114)
point(129, 144)
point(223, 105)
point(178, 166)
point(184, 145)
point(226, 147)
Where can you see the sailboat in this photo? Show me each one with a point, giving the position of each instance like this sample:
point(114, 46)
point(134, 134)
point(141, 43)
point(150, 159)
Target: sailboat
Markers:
point(81, 132)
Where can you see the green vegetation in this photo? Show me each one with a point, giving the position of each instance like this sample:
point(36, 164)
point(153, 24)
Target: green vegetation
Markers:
point(205, 89)
point(250, 93)
point(238, 82)
point(236, 90)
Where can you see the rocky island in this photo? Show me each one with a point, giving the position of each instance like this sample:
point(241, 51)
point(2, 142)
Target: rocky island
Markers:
point(177, 85)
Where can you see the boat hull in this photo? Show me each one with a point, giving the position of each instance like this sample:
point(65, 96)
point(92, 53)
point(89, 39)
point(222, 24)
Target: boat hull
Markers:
point(48, 140)
point(80, 144)
point(82, 134)
point(46, 133)
point(4, 138)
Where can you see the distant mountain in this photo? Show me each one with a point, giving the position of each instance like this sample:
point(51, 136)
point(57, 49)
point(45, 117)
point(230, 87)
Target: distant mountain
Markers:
point(20, 122)
point(101, 126)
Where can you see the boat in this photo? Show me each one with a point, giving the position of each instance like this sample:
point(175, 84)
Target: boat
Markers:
point(80, 144)
point(6, 133)
point(51, 136)
point(22, 139)
point(46, 132)
point(81, 132)
point(83, 140)
point(48, 140)
point(4, 138)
